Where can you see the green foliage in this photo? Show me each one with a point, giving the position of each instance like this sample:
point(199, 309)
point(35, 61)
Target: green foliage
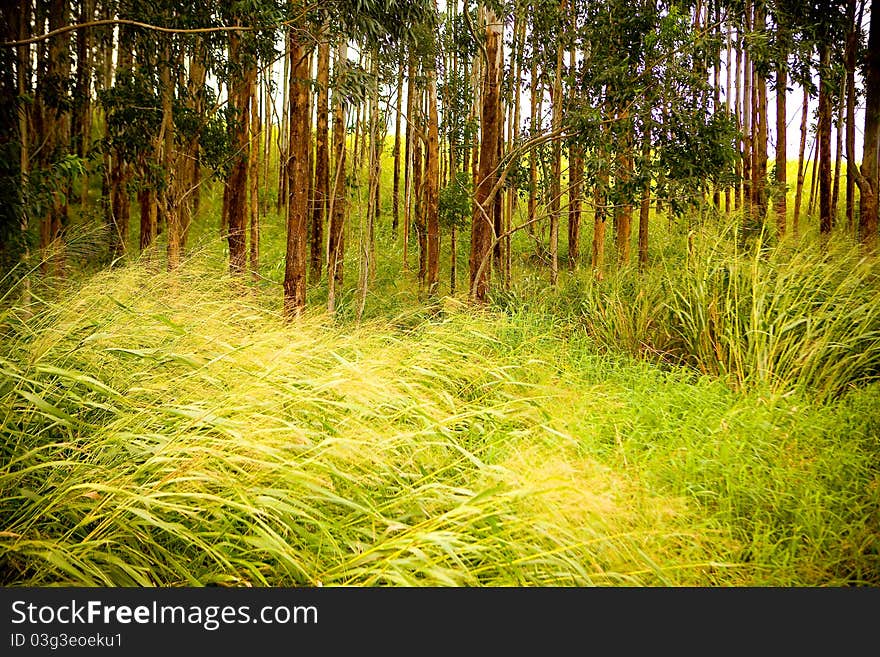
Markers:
point(455, 202)
point(133, 111)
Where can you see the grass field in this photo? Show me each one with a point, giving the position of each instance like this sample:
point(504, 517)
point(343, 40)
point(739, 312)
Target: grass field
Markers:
point(712, 421)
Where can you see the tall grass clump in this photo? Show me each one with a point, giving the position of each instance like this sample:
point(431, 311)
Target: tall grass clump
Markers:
point(784, 316)
point(792, 315)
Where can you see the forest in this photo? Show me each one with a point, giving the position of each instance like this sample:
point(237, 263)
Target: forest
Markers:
point(418, 293)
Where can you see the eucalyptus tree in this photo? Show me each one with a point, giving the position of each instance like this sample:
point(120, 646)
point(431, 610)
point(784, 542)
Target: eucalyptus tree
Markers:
point(641, 114)
point(868, 175)
point(483, 222)
point(373, 21)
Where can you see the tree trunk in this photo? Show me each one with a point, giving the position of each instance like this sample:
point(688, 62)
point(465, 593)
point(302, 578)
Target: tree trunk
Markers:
point(838, 154)
point(747, 128)
point(759, 143)
point(781, 206)
point(322, 160)
point(236, 184)
point(81, 124)
point(623, 212)
point(534, 104)
point(54, 130)
point(418, 195)
point(119, 176)
point(850, 66)
point(869, 180)
point(575, 178)
point(556, 178)
point(483, 222)
point(801, 167)
point(645, 208)
point(170, 195)
point(254, 178)
point(395, 186)
point(295, 260)
point(432, 184)
point(408, 159)
point(600, 197)
point(336, 239)
point(284, 136)
point(197, 75)
point(824, 135)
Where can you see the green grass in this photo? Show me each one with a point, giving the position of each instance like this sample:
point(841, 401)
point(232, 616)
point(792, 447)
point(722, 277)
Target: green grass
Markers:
point(712, 421)
point(171, 430)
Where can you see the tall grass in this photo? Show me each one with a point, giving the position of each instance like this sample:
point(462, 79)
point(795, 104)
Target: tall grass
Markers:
point(170, 429)
point(795, 315)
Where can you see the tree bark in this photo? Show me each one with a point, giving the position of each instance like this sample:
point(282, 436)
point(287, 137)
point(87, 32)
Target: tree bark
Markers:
point(336, 239)
point(781, 206)
point(556, 178)
point(322, 160)
point(395, 186)
point(850, 67)
point(482, 224)
point(236, 184)
point(54, 127)
point(824, 135)
point(254, 182)
point(295, 260)
point(869, 180)
point(801, 168)
point(645, 208)
point(432, 184)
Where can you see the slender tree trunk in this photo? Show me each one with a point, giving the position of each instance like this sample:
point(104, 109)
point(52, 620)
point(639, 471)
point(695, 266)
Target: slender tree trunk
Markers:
point(483, 221)
point(408, 159)
point(838, 154)
point(254, 178)
point(418, 196)
point(322, 161)
point(284, 137)
point(556, 178)
point(781, 206)
point(623, 213)
point(600, 213)
point(432, 184)
point(534, 104)
point(367, 245)
point(850, 66)
point(814, 187)
point(869, 181)
point(395, 187)
point(192, 169)
point(519, 41)
point(336, 238)
point(801, 167)
point(23, 81)
point(824, 136)
point(170, 195)
point(759, 143)
point(119, 176)
point(740, 121)
point(82, 121)
point(728, 87)
point(747, 127)
point(236, 184)
point(645, 208)
point(55, 128)
point(575, 177)
point(295, 261)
